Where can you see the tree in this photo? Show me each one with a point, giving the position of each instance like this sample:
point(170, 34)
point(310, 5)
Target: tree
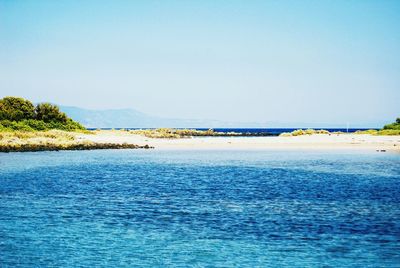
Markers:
point(395, 125)
point(50, 113)
point(16, 109)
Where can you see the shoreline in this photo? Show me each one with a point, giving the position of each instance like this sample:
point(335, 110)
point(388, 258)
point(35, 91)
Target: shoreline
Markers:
point(56, 140)
point(304, 142)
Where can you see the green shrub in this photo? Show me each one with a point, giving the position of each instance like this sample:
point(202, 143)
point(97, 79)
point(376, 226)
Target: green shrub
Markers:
point(48, 112)
point(16, 109)
point(20, 114)
point(36, 124)
point(395, 125)
point(20, 126)
point(6, 123)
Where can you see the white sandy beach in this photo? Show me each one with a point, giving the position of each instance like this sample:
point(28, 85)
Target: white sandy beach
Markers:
point(305, 142)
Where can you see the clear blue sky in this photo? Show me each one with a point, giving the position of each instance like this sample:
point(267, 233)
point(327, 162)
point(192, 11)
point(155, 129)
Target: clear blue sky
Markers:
point(257, 61)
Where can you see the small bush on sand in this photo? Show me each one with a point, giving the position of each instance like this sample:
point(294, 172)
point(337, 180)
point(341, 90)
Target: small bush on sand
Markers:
point(369, 132)
point(298, 132)
point(310, 131)
point(390, 132)
point(323, 131)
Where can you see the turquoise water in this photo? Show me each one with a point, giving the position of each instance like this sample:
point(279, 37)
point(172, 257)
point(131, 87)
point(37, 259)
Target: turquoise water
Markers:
point(125, 208)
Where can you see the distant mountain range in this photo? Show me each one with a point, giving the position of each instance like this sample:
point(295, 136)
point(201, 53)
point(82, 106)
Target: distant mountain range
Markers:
point(130, 118)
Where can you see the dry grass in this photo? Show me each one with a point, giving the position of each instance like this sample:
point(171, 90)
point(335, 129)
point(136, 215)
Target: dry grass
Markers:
point(381, 132)
point(300, 132)
point(52, 140)
point(164, 133)
point(170, 133)
point(24, 136)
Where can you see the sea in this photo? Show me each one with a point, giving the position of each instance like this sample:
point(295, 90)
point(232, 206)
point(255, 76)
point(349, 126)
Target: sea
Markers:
point(236, 208)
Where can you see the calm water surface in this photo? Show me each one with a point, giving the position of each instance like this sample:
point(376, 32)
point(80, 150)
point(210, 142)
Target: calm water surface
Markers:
point(125, 208)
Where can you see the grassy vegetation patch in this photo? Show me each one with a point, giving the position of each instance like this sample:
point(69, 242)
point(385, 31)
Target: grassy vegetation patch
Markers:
point(300, 132)
point(53, 140)
point(381, 132)
point(170, 133)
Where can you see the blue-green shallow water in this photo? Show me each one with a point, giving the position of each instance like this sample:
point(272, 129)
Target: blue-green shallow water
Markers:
point(117, 208)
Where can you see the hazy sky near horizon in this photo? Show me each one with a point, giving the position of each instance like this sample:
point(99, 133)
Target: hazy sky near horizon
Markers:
point(254, 61)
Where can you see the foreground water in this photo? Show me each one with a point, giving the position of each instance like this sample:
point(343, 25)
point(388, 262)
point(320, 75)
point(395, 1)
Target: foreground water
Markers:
point(203, 208)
